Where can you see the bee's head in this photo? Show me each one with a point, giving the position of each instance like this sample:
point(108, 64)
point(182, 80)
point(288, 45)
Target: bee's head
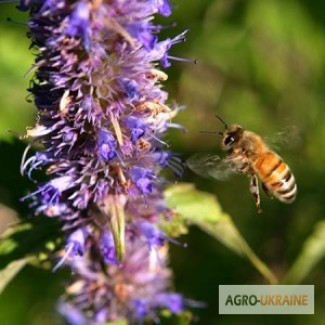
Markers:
point(230, 136)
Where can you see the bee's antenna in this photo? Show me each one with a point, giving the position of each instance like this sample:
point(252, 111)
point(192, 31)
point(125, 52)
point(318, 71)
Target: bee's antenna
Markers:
point(203, 131)
point(222, 121)
point(14, 133)
point(211, 132)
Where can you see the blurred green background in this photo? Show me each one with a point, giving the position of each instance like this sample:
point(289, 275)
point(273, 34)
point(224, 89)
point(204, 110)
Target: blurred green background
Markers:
point(260, 64)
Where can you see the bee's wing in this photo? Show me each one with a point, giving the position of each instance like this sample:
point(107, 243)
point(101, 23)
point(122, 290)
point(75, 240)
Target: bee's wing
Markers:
point(289, 137)
point(209, 166)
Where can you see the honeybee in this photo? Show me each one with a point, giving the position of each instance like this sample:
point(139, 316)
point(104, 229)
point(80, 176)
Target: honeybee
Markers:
point(247, 153)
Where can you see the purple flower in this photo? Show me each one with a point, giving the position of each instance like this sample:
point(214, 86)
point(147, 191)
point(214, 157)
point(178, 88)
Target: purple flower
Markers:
point(24, 5)
point(153, 235)
point(106, 145)
point(130, 87)
point(142, 178)
point(172, 301)
point(79, 23)
point(51, 192)
point(77, 242)
point(102, 115)
point(73, 315)
point(140, 308)
point(107, 248)
point(143, 30)
point(75, 246)
point(168, 159)
point(165, 8)
point(160, 52)
point(137, 126)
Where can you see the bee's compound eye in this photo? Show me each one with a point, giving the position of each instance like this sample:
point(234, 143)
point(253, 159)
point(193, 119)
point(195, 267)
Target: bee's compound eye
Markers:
point(229, 140)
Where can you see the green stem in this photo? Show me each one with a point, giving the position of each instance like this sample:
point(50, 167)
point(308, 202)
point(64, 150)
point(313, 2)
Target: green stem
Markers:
point(260, 265)
point(236, 242)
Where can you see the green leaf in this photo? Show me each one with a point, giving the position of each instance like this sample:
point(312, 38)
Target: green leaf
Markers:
point(192, 204)
point(119, 322)
point(174, 227)
point(312, 252)
point(27, 239)
point(15, 60)
point(184, 318)
point(9, 272)
point(203, 210)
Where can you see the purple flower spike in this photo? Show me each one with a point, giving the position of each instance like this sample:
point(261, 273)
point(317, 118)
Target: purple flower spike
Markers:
point(102, 115)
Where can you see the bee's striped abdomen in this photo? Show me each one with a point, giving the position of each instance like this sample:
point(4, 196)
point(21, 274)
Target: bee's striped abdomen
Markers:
point(276, 176)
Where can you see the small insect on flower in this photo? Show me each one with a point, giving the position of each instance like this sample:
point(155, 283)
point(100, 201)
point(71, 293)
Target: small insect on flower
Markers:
point(247, 153)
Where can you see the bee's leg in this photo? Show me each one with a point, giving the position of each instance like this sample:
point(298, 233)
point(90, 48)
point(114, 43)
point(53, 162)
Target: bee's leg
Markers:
point(238, 164)
point(253, 187)
point(266, 191)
